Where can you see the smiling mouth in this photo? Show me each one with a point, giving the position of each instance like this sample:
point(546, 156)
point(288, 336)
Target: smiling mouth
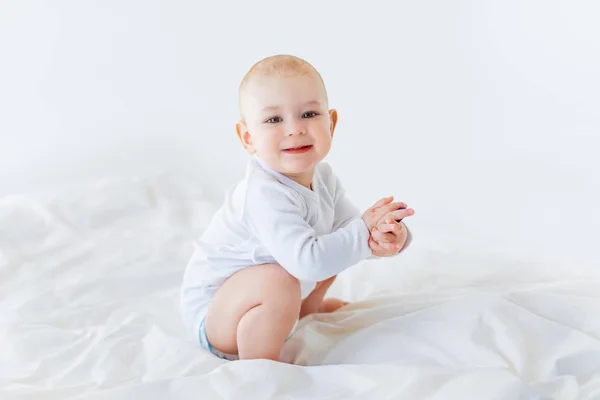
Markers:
point(298, 150)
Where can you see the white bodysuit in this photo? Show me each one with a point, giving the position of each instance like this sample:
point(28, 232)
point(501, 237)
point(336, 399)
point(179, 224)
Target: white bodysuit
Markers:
point(269, 218)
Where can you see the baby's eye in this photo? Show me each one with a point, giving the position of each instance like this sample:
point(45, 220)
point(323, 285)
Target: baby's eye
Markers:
point(273, 120)
point(309, 114)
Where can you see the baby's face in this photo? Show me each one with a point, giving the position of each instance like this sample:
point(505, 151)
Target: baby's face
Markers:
point(287, 122)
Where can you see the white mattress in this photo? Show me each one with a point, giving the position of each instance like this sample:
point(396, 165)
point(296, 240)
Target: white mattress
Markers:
point(89, 283)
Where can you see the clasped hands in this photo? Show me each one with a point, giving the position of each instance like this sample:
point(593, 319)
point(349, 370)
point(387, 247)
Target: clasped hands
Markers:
point(387, 234)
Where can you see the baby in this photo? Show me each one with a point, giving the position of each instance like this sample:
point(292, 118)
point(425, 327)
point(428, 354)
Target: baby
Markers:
point(287, 229)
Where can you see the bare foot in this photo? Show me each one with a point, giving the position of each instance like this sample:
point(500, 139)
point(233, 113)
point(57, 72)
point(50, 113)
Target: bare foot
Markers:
point(331, 304)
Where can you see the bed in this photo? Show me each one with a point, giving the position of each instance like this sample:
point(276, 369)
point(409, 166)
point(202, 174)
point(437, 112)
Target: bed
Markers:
point(89, 280)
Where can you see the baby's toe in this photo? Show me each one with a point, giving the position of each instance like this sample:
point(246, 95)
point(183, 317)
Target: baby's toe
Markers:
point(332, 304)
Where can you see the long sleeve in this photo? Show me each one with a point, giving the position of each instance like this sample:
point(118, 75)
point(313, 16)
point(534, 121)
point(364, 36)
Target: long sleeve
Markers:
point(275, 215)
point(345, 210)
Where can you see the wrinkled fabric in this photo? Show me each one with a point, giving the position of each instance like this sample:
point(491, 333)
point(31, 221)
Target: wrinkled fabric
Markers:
point(89, 283)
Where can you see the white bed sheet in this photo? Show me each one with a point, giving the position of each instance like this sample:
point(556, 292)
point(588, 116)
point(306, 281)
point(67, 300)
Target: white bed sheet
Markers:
point(89, 285)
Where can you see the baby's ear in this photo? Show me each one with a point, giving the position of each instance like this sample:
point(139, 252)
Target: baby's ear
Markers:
point(333, 117)
point(242, 132)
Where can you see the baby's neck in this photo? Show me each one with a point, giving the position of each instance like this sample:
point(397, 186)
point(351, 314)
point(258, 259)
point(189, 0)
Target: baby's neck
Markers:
point(304, 178)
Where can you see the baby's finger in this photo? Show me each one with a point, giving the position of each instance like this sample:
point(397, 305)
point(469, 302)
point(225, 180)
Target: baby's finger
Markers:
point(381, 237)
point(400, 229)
point(400, 214)
point(392, 207)
point(379, 251)
point(382, 246)
point(391, 227)
point(389, 246)
point(383, 201)
point(374, 246)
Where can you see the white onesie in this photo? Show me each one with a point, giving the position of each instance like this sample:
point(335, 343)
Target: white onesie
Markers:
point(269, 218)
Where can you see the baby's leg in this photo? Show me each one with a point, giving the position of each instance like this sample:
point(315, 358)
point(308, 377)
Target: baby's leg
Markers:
point(253, 312)
point(315, 303)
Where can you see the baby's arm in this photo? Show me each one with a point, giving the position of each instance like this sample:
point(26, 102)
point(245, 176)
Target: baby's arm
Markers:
point(275, 215)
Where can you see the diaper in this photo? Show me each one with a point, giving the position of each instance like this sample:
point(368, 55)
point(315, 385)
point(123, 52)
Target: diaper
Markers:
point(203, 338)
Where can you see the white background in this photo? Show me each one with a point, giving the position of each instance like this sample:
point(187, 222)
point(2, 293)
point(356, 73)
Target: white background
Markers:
point(483, 115)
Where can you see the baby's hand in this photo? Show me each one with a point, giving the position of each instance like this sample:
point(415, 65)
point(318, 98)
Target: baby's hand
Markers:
point(384, 208)
point(388, 238)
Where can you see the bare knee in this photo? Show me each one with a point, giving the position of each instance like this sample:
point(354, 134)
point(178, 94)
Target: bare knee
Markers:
point(268, 287)
point(280, 290)
point(261, 332)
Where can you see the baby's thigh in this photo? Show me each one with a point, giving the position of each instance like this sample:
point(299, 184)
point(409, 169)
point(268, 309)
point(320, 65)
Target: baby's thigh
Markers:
point(244, 290)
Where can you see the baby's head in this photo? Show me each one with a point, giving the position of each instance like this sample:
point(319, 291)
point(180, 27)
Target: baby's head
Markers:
point(285, 118)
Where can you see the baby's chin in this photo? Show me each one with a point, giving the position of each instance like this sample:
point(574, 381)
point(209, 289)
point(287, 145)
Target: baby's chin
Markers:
point(298, 166)
point(291, 165)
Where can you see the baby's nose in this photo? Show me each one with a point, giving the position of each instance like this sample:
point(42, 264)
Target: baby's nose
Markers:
point(295, 128)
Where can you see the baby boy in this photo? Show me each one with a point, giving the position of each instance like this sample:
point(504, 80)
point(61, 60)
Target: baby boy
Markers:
point(287, 229)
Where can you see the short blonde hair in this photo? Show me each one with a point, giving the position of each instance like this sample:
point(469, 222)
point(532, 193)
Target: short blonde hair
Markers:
point(282, 65)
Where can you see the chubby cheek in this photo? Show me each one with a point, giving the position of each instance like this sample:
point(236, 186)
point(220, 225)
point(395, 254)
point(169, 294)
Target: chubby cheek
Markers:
point(273, 145)
point(268, 147)
point(323, 143)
